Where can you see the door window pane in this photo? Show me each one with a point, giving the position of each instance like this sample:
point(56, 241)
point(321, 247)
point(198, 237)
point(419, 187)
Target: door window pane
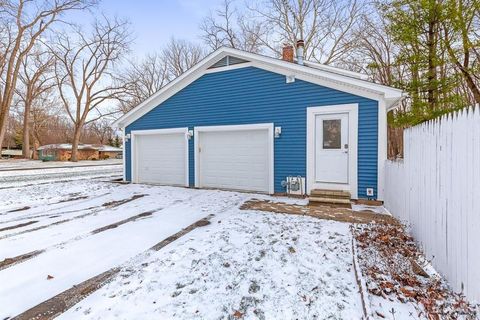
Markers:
point(332, 134)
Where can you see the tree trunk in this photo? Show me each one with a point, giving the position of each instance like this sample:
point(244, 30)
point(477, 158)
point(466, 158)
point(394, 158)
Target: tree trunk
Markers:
point(76, 139)
point(3, 128)
point(432, 70)
point(471, 84)
point(26, 132)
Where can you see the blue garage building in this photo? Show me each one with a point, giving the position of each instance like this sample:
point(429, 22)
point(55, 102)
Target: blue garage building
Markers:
point(244, 121)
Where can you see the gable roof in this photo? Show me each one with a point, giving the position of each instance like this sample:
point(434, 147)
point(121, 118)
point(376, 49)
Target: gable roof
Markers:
point(328, 76)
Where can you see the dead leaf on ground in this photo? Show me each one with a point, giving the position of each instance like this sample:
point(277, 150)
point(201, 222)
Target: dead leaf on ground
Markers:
point(237, 314)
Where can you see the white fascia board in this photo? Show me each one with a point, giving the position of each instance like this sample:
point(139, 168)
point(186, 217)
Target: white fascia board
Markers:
point(394, 103)
point(336, 70)
point(322, 81)
point(389, 92)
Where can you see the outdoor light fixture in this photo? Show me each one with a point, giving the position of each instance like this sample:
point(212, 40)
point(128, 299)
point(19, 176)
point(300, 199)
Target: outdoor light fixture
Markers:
point(127, 136)
point(190, 134)
point(278, 132)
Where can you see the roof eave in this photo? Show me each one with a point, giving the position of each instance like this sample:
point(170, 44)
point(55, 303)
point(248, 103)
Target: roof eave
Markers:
point(394, 103)
point(216, 55)
point(381, 91)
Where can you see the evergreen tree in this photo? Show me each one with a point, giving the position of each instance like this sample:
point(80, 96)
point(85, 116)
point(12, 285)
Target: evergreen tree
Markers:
point(117, 141)
point(416, 27)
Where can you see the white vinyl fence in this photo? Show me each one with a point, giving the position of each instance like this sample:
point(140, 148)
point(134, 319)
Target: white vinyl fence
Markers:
point(436, 190)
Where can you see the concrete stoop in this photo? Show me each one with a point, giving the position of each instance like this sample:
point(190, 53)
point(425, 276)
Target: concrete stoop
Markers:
point(332, 197)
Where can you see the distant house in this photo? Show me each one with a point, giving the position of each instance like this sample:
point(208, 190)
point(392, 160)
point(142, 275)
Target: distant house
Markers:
point(63, 152)
point(109, 152)
point(12, 153)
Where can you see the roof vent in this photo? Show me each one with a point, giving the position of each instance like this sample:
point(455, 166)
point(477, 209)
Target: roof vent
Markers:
point(227, 61)
point(300, 50)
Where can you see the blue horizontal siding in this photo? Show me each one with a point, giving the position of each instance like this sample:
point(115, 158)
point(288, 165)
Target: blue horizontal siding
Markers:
point(251, 95)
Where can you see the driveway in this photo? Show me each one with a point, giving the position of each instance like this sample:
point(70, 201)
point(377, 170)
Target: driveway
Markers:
point(24, 164)
point(94, 249)
point(18, 173)
point(246, 263)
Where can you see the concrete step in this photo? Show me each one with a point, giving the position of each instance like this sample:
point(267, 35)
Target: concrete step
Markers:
point(327, 200)
point(336, 194)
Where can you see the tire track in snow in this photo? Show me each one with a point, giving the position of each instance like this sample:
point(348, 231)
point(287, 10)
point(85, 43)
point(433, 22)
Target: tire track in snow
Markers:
point(16, 226)
point(73, 178)
point(9, 262)
point(58, 304)
point(53, 211)
point(105, 206)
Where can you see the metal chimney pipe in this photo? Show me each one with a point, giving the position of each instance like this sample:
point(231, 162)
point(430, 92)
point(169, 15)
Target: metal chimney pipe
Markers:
point(300, 50)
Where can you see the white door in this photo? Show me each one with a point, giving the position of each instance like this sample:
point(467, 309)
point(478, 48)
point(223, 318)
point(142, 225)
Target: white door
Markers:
point(234, 159)
point(331, 148)
point(161, 158)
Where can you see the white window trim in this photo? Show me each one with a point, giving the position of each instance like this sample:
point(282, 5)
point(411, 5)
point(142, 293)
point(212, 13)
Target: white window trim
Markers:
point(352, 110)
point(133, 149)
point(245, 127)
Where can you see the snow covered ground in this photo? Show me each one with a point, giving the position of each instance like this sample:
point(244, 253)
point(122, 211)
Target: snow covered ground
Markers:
point(246, 264)
point(67, 213)
point(24, 164)
point(18, 178)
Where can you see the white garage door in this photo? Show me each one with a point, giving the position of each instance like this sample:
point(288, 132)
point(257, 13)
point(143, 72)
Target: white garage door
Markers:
point(161, 157)
point(235, 159)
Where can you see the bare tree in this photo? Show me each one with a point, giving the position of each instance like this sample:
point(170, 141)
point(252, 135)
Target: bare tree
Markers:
point(376, 52)
point(36, 78)
point(142, 79)
point(22, 23)
point(462, 40)
point(48, 123)
point(325, 26)
point(101, 130)
point(229, 27)
point(181, 55)
point(84, 72)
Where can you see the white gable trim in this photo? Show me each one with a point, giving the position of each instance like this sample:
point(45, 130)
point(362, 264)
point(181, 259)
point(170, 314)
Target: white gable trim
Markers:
point(334, 80)
point(169, 90)
point(230, 67)
point(325, 67)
